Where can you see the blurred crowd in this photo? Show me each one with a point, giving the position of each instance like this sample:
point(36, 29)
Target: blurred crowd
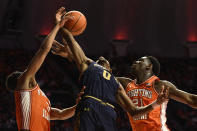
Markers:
point(58, 78)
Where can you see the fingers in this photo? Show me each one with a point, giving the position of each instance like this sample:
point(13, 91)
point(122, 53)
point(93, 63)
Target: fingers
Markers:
point(164, 94)
point(64, 13)
point(66, 18)
point(56, 47)
point(57, 44)
point(60, 10)
point(83, 88)
point(64, 41)
point(162, 90)
point(80, 94)
point(54, 52)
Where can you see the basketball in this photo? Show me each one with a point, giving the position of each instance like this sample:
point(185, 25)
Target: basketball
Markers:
point(78, 23)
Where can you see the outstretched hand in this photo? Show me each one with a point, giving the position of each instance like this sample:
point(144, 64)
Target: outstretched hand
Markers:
point(60, 17)
point(61, 50)
point(163, 95)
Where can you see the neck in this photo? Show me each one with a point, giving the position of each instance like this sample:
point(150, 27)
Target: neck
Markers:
point(142, 77)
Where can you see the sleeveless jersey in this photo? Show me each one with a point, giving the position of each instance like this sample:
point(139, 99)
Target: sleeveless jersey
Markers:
point(32, 110)
point(99, 83)
point(144, 94)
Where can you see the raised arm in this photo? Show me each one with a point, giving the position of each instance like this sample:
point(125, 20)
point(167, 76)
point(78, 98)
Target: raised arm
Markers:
point(45, 47)
point(81, 60)
point(181, 96)
point(125, 102)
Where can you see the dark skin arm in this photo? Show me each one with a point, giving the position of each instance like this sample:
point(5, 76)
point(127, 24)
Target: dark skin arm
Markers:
point(124, 81)
point(125, 102)
point(27, 79)
point(58, 114)
point(78, 55)
point(179, 95)
point(62, 50)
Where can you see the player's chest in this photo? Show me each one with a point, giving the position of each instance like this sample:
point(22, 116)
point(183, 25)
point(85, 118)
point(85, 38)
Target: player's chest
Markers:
point(142, 95)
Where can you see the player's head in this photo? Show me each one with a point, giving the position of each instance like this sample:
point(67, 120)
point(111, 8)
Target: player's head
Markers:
point(146, 64)
point(103, 62)
point(11, 81)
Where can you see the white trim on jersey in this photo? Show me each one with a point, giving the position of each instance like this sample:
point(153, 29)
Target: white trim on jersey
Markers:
point(25, 109)
point(163, 117)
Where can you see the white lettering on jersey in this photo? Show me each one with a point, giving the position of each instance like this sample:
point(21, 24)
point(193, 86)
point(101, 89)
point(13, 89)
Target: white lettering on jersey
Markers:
point(140, 92)
point(142, 117)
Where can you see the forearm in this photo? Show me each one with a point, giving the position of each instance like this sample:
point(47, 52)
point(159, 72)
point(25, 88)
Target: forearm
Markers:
point(48, 41)
point(138, 111)
point(57, 114)
point(68, 36)
point(76, 50)
point(126, 103)
point(68, 112)
point(193, 101)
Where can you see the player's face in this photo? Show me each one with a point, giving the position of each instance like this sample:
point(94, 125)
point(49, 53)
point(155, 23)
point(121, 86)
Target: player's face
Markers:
point(140, 65)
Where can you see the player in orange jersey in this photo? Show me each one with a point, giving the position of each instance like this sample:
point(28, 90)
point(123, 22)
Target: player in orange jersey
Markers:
point(33, 108)
point(145, 89)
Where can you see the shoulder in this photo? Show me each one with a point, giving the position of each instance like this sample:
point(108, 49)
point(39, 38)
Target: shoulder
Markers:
point(166, 84)
point(26, 82)
point(124, 81)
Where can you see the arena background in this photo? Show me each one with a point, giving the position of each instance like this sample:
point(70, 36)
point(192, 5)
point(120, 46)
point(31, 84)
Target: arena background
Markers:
point(120, 30)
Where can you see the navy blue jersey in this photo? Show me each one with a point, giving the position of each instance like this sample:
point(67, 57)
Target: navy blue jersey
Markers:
point(99, 83)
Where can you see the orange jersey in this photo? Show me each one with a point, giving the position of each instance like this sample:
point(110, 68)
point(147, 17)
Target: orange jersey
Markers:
point(144, 94)
point(32, 110)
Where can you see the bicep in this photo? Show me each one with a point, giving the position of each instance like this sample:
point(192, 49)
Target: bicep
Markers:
point(176, 94)
point(179, 95)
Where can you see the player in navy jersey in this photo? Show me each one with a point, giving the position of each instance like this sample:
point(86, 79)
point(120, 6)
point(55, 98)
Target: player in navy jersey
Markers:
point(96, 109)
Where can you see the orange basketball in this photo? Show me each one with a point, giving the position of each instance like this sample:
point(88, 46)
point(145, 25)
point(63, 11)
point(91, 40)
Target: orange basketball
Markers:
point(78, 24)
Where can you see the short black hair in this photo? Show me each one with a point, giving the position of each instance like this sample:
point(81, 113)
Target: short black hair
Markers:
point(101, 61)
point(156, 65)
point(11, 81)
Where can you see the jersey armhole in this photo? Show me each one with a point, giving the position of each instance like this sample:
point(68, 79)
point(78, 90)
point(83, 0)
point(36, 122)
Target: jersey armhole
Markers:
point(28, 90)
